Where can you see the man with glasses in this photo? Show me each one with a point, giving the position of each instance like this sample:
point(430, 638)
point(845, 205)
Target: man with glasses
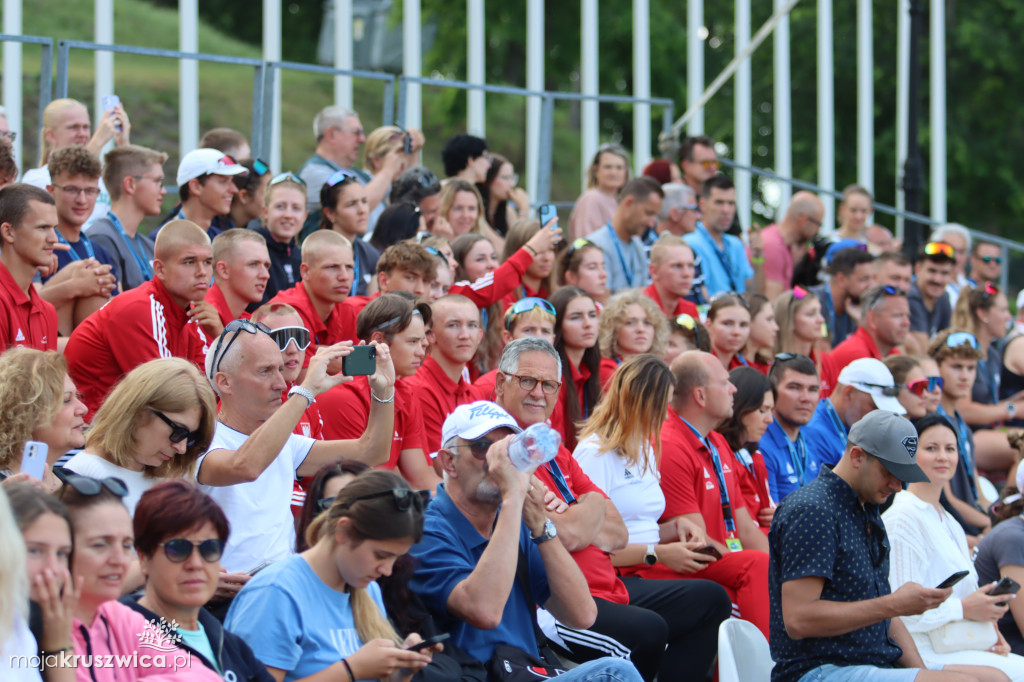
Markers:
point(489, 553)
point(672, 273)
point(796, 388)
point(930, 309)
point(785, 242)
point(959, 237)
point(698, 161)
point(135, 178)
point(255, 455)
point(241, 268)
point(165, 317)
point(986, 263)
point(863, 386)
point(885, 323)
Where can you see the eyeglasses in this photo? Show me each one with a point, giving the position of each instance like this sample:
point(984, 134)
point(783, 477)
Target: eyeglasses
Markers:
point(285, 177)
point(89, 192)
point(260, 167)
point(88, 486)
point(579, 243)
point(709, 164)
point(403, 498)
point(514, 178)
point(236, 327)
point(939, 249)
point(340, 176)
point(961, 338)
point(158, 181)
point(179, 550)
point(929, 384)
point(525, 305)
point(179, 432)
point(530, 383)
point(686, 321)
point(888, 391)
point(285, 335)
point(478, 448)
point(695, 207)
point(9, 134)
point(998, 260)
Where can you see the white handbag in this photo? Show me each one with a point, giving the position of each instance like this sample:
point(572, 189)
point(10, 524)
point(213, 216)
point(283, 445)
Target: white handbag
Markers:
point(963, 635)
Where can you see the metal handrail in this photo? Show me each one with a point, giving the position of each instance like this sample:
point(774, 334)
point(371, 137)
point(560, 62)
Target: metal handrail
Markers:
point(45, 66)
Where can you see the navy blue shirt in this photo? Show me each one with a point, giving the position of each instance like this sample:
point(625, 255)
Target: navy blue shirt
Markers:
point(85, 248)
point(839, 326)
point(822, 530)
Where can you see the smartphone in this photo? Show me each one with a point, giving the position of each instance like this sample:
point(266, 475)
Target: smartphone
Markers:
point(953, 579)
point(429, 642)
point(361, 362)
point(407, 144)
point(260, 568)
point(33, 458)
point(710, 550)
point(1006, 585)
point(545, 212)
point(110, 102)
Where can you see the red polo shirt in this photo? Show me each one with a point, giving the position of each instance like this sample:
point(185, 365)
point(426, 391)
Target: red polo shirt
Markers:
point(688, 476)
point(26, 319)
point(828, 372)
point(340, 324)
point(856, 346)
point(559, 416)
point(355, 304)
point(606, 369)
point(754, 485)
point(215, 297)
point(134, 327)
point(683, 307)
point(484, 386)
point(437, 396)
point(346, 412)
point(593, 562)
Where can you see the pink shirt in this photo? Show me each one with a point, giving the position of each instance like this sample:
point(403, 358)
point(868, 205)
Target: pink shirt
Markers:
point(778, 259)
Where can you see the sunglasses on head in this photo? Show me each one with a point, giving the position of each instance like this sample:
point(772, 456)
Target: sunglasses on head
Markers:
point(939, 249)
point(286, 177)
point(402, 497)
point(929, 384)
point(962, 338)
point(782, 357)
point(426, 178)
point(525, 305)
point(579, 243)
point(235, 327)
point(887, 391)
point(340, 176)
point(285, 335)
point(88, 486)
point(260, 167)
point(179, 432)
point(179, 550)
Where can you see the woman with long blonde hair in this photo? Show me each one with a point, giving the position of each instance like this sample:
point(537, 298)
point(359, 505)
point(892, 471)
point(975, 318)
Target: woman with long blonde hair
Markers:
point(462, 207)
point(801, 324)
point(321, 611)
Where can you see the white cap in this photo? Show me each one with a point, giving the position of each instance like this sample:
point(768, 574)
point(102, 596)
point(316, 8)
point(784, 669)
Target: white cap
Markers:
point(474, 420)
point(872, 376)
point(207, 161)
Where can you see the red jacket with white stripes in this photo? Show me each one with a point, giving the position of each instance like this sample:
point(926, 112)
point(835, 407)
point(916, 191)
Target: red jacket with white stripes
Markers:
point(136, 326)
point(496, 285)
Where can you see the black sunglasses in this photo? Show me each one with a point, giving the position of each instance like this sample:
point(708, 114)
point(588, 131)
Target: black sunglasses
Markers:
point(88, 486)
point(888, 391)
point(478, 448)
point(179, 432)
point(237, 327)
point(403, 498)
point(180, 549)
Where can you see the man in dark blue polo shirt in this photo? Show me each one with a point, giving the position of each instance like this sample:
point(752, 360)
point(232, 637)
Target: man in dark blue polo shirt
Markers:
point(832, 614)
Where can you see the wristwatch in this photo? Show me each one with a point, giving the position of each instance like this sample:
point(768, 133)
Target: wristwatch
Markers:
point(299, 390)
point(550, 533)
point(651, 557)
point(1011, 410)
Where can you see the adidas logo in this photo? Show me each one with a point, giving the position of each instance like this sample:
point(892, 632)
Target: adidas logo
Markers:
point(628, 474)
point(19, 336)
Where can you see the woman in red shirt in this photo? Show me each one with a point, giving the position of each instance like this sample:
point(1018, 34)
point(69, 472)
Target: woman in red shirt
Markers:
point(728, 326)
point(801, 329)
point(576, 324)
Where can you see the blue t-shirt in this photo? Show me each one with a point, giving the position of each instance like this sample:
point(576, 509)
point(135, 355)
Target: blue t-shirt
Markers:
point(822, 530)
point(86, 248)
point(785, 461)
point(198, 640)
point(726, 268)
point(838, 326)
point(826, 436)
point(293, 621)
point(449, 551)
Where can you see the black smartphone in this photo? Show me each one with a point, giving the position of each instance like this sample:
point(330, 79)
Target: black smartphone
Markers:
point(545, 212)
point(407, 144)
point(953, 579)
point(1006, 585)
point(429, 642)
point(361, 362)
point(710, 550)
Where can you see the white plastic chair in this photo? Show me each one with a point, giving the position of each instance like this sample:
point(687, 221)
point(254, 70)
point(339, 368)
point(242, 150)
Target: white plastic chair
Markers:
point(743, 653)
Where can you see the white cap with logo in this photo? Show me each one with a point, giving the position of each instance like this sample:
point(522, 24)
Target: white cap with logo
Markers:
point(474, 420)
point(207, 161)
point(872, 376)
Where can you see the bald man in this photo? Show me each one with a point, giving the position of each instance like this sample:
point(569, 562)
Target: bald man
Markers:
point(164, 317)
point(241, 269)
point(785, 241)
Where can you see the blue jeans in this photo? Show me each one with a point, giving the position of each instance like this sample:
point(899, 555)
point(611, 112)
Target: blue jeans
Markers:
point(859, 673)
point(603, 670)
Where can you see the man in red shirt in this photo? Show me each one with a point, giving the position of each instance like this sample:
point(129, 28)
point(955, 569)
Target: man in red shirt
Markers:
point(164, 317)
point(672, 269)
point(701, 486)
point(885, 323)
point(405, 266)
point(28, 233)
point(441, 385)
point(636, 615)
point(241, 268)
point(328, 266)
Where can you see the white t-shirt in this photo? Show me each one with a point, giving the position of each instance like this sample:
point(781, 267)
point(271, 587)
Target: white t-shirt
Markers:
point(262, 526)
point(635, 491)
point(40, 177)
point(95, 466)
point(14, 668)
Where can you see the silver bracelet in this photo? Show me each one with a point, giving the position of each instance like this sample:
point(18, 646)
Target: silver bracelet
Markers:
point(299, 390)
point(383, 402)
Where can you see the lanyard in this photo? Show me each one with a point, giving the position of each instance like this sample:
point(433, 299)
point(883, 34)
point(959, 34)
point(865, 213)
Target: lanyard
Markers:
point(962, 443)
point(723, 491)
point(723, 258)
point(622, 258)
point(834, 419)
point(83, 240)
point(797, 455)
point(559, 479)
point(139, 256)
point(355, 273)
point(827, 299)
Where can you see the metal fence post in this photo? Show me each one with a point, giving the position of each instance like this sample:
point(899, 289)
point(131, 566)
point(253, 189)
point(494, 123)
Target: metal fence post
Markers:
point(403, 86)
point(45, 79)
point(1004, 273)
point(63, 54)
point(266, 117)
point(256, 138)
point(388, 117)
point(544, 155)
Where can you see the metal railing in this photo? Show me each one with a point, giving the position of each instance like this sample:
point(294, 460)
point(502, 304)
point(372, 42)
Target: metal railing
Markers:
point(45, 66)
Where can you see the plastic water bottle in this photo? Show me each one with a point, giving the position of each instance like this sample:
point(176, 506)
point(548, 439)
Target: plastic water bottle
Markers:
point(536, 445)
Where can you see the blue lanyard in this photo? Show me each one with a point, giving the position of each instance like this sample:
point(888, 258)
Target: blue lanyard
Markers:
point(797, 455)
point(71, 252)
point(723, 491)
point(743, 360)
point(834, 419)
point(962, 445)
point(831, 308)
point(140, 258)
point(355, 273)
point(622, 258)
point(723, 258)
point(559, 479)
point(743, 457)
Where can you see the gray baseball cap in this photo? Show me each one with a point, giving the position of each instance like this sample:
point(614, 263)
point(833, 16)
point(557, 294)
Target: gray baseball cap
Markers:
point(893, 440)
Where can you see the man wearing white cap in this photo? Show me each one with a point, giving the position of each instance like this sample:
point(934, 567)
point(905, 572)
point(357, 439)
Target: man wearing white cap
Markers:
point(833, 615)
point(488, 517)
point(205, 187)
point(863, 385)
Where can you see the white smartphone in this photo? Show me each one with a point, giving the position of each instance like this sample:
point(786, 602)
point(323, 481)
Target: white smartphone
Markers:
point(110, 102)
point(33, 459)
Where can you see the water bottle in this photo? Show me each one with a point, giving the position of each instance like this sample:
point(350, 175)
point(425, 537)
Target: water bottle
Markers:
point(536, 445)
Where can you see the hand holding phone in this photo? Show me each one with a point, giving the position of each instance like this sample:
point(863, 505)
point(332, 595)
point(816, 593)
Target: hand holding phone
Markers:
point(111, 102)
point(709, 550)
point(33, 459)
point(429, 642)
point(1006, 585)
point(953, 579)
point(547, 212)
point(362, 361)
